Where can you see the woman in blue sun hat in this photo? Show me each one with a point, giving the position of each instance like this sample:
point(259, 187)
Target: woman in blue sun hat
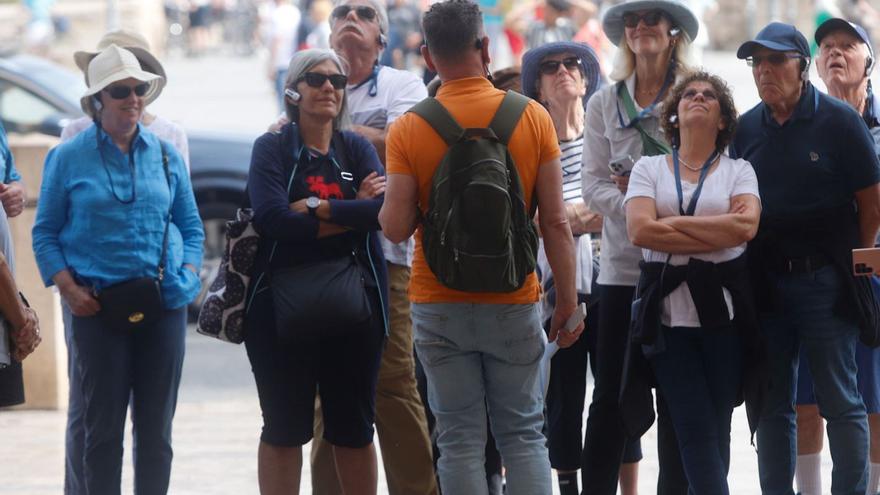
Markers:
point(562, 76)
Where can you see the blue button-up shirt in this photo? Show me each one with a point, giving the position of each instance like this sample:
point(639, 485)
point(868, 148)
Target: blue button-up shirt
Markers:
point(8, 172)
point(83, 226)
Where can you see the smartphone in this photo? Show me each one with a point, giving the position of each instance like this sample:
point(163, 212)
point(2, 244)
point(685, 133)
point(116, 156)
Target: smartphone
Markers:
point(621, 166)
point(576, 318)
point(866, 261)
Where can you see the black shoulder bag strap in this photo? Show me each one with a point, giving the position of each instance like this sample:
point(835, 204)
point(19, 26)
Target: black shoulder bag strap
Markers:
point(161, 269)
point(508, 114)
point(342, 161)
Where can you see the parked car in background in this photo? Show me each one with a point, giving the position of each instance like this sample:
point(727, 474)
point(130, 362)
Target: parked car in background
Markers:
point(37, 95)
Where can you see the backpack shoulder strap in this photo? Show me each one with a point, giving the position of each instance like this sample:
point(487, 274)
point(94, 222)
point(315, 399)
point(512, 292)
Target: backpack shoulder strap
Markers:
point(439, 118)
point(508, 114)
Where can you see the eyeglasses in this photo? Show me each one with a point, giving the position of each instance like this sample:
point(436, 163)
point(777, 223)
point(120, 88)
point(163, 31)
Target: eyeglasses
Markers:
point(551, 67)
point(122, 92)
point(650, 18)
point(708, 94)
point(776, 59)
point(316, 79)
point(363, 12)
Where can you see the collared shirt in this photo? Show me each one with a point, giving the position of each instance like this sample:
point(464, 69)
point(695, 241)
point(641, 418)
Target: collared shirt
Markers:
point(415, 149)
point(813, 162)
point(605, 140)
point(396, 92)
point(81, 226)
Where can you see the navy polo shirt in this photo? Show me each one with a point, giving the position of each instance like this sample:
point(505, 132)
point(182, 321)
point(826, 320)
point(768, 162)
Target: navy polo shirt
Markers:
point(815, 161)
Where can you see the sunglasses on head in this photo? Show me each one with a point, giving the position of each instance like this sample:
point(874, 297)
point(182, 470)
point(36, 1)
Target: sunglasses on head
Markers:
point(650, 18)
point(551, 67)
point(122, 92)
point(363, 12)
point(316, 79)
point(777, 58)
point(708, 94)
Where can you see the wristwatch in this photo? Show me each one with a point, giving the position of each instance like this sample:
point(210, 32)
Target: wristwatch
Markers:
point(312, 203)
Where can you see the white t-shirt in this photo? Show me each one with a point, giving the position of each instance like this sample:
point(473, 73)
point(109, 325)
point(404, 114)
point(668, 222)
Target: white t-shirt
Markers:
point(163, 128)
point(652, 178)
point(396, 92)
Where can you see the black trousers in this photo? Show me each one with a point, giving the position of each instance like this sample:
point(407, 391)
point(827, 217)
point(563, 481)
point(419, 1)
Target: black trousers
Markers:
point(605, 440)
point(567, 392)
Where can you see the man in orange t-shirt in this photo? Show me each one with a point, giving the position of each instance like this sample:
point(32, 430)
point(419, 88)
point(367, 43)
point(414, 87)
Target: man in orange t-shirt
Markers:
point(480, 349)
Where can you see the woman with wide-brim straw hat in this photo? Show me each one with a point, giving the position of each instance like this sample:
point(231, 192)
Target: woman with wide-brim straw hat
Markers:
point(653, 37)
point(138, 45)
point(117, 220)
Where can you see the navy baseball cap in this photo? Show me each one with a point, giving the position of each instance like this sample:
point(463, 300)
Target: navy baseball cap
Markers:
point(837, 24)
point(778, 37)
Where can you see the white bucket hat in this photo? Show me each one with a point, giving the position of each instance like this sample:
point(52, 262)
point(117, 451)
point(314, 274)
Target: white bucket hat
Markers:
point(115, 64)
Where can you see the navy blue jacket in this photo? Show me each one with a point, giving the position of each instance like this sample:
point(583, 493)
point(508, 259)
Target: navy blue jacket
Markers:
point(273, 158)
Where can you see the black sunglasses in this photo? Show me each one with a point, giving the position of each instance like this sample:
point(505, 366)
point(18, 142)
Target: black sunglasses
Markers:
point(363, 12)
point(316, 79)
point(551, 67)
point(777, 58)
point(650, 18)
point(122, 92)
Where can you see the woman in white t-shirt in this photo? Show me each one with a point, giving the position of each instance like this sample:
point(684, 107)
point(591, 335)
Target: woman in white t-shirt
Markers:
point(692, 213)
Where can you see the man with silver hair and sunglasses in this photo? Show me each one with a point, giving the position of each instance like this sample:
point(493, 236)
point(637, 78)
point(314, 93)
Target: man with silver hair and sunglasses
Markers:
point(377, 95)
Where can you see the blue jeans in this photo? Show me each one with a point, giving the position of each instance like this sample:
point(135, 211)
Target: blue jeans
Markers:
point(479, 355)
point(700, 374)
point(118, 366)
point(804, 321)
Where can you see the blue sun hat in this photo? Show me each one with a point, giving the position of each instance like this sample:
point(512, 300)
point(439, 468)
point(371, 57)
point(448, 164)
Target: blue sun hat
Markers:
point(682, 17)
point(531, 63)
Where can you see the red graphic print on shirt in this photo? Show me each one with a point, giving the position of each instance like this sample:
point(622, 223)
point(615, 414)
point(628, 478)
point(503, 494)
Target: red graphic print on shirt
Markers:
point(323, 190)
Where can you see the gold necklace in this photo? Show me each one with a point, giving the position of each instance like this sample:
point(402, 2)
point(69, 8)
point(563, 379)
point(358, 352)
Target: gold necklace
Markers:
point(695, 169)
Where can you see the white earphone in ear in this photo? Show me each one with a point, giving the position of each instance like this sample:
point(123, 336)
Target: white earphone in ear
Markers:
point(383, 40)
point(293, 95)
point(97, 103)
point(805, 74)
point(674, 31)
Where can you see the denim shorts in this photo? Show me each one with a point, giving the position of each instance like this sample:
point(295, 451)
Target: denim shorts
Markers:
point(343, 369)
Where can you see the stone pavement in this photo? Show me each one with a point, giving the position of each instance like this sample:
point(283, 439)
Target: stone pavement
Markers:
point(216, 432)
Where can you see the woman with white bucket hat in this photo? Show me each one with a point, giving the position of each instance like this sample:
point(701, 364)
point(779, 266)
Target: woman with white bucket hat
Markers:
point(118, 232)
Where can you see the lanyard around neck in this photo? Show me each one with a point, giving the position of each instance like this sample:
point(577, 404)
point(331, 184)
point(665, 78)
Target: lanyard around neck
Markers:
point(692, 206)
point(623, 93)
point(133, 195)
point(373, 90)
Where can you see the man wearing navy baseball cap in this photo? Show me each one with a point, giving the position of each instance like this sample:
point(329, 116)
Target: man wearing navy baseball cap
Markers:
point(814, 159)
point(844, 61)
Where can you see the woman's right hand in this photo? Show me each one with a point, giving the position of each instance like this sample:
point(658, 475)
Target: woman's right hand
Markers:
point(621, 181)
point(373, 185)
point(80, 300)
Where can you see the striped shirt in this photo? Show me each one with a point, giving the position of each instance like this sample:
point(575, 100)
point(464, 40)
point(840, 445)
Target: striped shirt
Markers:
point(571, 169)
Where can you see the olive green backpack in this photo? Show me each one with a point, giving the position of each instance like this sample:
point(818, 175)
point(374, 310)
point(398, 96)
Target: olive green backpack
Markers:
point(476, 234)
